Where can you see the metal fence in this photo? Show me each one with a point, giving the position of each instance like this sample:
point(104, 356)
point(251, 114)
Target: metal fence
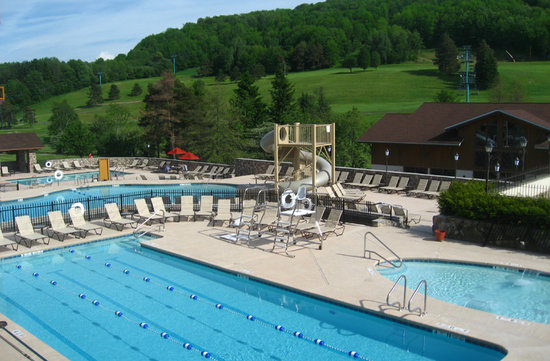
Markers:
point(521, 185)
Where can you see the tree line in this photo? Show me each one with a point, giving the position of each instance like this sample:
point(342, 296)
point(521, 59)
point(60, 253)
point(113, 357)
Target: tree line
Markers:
point(201, 121)
point(351, 33)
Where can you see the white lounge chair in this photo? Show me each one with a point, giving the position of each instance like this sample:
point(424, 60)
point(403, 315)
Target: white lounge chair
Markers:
point(7, 242)
point(26, 232)
point(78, 222)
point(223, 213)
point(59, 228)
point(158, 208)
point(115, 219)
point(186, 209)
point(145, 215)
point(205, 207)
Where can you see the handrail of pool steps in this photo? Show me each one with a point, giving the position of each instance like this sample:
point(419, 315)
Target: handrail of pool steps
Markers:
point(3, 325)
point(161, 225)
point(365, 250)
point(421, 312)
point(398, 304)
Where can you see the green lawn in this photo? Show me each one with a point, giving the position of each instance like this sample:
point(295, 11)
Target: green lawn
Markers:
point(374, 92)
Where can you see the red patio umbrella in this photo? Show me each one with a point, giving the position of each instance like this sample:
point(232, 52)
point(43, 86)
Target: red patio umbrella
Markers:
point(176, 151)
point(189, 156)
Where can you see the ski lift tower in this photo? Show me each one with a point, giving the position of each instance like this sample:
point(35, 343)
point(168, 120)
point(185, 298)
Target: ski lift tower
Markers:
point(468, 77)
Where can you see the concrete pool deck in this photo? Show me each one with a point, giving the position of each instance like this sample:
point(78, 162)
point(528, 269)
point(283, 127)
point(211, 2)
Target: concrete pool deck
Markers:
point(340, 272)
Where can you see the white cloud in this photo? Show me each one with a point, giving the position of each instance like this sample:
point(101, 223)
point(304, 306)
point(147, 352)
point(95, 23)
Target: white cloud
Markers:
point(106, 55)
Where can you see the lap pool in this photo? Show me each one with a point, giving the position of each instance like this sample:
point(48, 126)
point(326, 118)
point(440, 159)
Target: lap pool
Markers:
point(116, 300)
point(520, 294)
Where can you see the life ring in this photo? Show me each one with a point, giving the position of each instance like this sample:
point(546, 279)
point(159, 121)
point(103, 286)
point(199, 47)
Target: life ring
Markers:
point(80, 206)
point(48, 164)
point(49, 180)
point(308, 204)
point(58, 175)
point(288, 199)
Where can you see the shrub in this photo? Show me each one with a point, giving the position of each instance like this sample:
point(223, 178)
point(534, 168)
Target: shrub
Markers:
point(469, 200)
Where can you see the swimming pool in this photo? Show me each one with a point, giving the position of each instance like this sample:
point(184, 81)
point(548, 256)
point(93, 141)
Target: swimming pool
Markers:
point(62, 177)
point(523, 295)
point(152, 306)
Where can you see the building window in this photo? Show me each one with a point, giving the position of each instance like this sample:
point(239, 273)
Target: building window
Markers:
point(487, 132)
point(512, 134)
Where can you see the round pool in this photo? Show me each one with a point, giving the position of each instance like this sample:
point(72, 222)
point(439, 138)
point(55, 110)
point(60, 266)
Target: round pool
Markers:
point(520, 294)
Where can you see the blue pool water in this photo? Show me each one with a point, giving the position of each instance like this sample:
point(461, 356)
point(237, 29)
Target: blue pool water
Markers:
point(226, 315)
point(506, 292)
point(63, 178)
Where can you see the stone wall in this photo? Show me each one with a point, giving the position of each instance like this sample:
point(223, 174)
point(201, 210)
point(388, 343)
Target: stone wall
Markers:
point(500, 235)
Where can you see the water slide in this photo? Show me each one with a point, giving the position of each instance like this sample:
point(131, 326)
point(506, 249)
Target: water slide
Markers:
point(324, 168)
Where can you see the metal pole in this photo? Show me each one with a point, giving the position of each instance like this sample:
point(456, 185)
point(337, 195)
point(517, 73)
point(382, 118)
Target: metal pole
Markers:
point(174, 62)
point(467, 73)
point(487, 176)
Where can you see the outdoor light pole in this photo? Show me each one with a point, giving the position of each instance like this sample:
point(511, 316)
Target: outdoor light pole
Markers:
point(387, 153)
point(523, 145)
point(488, 149)
point(456, 164)
point(548, 140)
point(174, 62)
point(148, 154)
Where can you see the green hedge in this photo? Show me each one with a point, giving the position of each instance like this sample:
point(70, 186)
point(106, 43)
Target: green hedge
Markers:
point(469, 200)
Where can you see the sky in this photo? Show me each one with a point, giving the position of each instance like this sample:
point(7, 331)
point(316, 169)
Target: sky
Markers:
point(90, 29)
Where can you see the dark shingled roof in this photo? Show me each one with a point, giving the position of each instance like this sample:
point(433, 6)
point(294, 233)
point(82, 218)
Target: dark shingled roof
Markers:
point(20, 141)
point(429, 123)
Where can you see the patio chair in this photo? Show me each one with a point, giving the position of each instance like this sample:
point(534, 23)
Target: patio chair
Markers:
point(143, 164)
point(343, 177)
point(391, 184)
point(205, 207)
point(356, 182)
point(25, 232)
point(432, 189)
point(186, 209)
point(289, 174)
point(331, 226)
point(37, 168)
point(5, 171)
point(376, 179)
point(401, 186)
point(211, 173)
point(223, 213)
point(159, 208)
point(350, 195)
point(77, 165)
point(246, 222)
point(194, 173)
point(78, 222)
point(336, 176)
point(420, 187)
point(58, 227)
point(269, 173)
point(115, 219)
point(312, 220)
point(145, 215)
point(7, 242)
point(403, 216)
point(66, 165)
point(134, 163)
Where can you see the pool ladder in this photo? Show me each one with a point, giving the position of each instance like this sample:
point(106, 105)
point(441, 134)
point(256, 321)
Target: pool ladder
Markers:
point(401, 306)
point(142, 232)
point(365, 250)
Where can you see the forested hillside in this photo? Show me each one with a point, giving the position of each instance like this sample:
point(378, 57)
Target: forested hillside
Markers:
point(309, 37)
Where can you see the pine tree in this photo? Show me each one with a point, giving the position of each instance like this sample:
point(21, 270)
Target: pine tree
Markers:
point(94, 96)
point(446, 56)
point(282, 107)
point(114, 92)
point(247, 102)
point(486, 67)
point(136, 90)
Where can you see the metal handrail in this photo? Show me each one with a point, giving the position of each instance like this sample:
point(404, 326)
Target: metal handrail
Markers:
point(141, 225)
point(400, 307)
point(365, 250)
point(421, 313)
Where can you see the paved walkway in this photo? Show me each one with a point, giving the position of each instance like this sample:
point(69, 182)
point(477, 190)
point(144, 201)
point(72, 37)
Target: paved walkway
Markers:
point(340, 271)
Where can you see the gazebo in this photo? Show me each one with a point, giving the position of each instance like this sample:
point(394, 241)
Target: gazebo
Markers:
point(24, 145)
